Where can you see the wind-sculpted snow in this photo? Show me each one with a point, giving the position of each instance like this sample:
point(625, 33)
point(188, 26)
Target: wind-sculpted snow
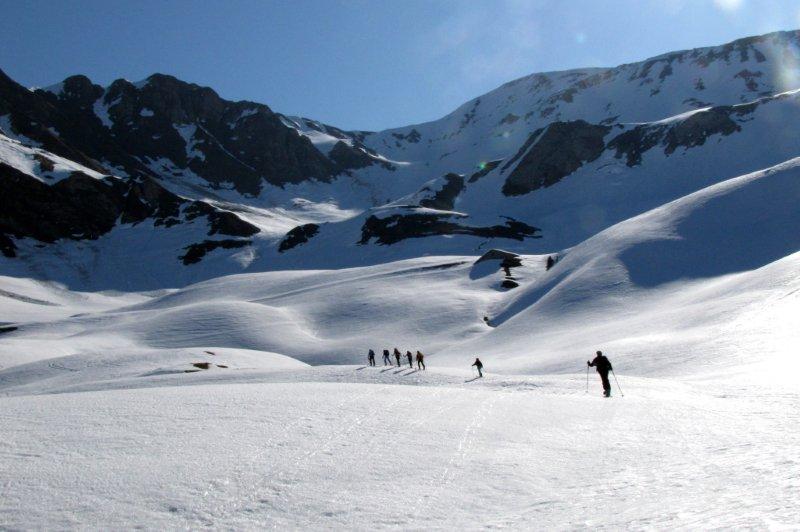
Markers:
point(670, 272)
point(688, 272)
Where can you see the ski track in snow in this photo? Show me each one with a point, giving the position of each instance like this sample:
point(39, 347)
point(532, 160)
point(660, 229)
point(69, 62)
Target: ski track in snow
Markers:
point(323, 455)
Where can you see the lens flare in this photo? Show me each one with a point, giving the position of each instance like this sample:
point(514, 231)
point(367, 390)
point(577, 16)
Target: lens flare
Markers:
point(788, 74)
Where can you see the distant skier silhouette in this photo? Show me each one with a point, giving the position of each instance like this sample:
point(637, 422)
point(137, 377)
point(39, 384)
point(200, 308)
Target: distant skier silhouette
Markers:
point(420, 360)
point(397, 356)
point(371, 357)
point(410, 358)
point(478, 364)
point(550, 262)
point(603, 366)
point(386, 360)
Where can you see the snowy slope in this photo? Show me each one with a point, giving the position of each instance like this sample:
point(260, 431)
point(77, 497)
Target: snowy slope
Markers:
point(678, 282)
point(38, 163)
point(712, 275)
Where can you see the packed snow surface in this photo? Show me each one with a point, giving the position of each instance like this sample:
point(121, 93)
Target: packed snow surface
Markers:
point(374, 448)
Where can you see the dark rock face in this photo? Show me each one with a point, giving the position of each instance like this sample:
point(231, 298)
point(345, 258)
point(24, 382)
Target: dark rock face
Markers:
point(45, 164)
point(299, 235)
point(445, 198)
point(533, 137)
point(697, 128)
point(349, 157)
point(395, 228)
point(32, 114)
point(146, 199)
point(196, 252)
point(412, 136)
point(634, 143)
point(241, 142)
point(499, 254)
point(220, 222)
point(507, 261)
point(485, 169)
point(77, 207)
point(688, 133)
point(7, 246)
point(749, 79)
point(82, 207)
point(560, 150)
point(549, 156)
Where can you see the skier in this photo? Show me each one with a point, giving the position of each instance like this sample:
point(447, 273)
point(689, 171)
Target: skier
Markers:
point(420, 360)
point(550, 262)
point(397, 356)
point(371, 357)
point(478, 364)
point(410, 358)
point(603, 366)
point(386, 360)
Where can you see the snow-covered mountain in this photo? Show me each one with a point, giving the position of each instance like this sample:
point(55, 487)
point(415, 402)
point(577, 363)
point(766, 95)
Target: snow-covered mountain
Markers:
point(537, 165)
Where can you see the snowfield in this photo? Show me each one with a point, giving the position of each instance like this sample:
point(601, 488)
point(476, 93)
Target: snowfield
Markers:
point(197, 407)
point(370, 448)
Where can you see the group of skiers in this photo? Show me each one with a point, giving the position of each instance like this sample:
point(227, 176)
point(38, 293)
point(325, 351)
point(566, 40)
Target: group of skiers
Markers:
point(420, 359)
point(387, 360)
point(600, 363)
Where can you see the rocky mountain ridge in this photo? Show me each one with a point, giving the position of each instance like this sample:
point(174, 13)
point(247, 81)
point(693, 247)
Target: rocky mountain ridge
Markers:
point(538, 164)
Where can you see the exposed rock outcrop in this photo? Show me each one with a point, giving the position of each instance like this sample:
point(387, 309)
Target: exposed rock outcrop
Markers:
point(444, 198)
point(196, 252)
point(299, 235)
point(398, 227)
point(137, 127)
point(560, 150)
point(83, 207)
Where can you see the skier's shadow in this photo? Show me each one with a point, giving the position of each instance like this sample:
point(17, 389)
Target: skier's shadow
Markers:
point(472, 379)
point(410, 372)
point(362, 367)
point(387, 369)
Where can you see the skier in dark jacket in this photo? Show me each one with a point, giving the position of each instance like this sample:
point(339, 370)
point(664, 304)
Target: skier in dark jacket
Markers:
point(397, 356)
point(371, 357)
point(420, 360)
point(410, 358)
point(603, 366)
point(478, 364)
point(386, 360)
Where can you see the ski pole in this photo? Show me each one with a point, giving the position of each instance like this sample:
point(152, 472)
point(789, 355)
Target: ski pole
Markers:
point(587, 378)
point(615, 380)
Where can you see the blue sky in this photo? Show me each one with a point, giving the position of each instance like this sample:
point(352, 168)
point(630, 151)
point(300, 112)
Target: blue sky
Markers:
point(360, 64)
